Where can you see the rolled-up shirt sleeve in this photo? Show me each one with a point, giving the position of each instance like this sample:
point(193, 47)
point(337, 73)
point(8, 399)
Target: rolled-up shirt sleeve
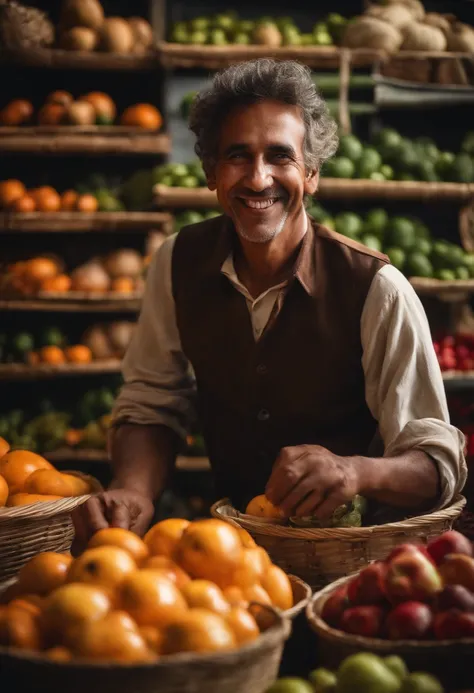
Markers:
point(403, 381)
point(159, 386)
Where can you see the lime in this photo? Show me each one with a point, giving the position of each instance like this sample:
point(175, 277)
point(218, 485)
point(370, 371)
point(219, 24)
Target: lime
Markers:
point(217, 37)
point(177, 170)
point(245, 26)
point(388, 140)
point(444, 163)
point(339, 167)
point(421, 230)
point(22, 343)
point(189, 182)
point(371, 241)
point(462, 273)
point(167, 180)
point(199, 23)
point(290, 685)
point(376, 175)
point(423, 246)
point(401, 233)
point(369, 163)
point(317, 212)
point(397, 257)
point(190, 217)
point(469, 263)
point(198, 38)
point(405, 176)
point(225, 21)
point(387, 172)
point(439, 254)
point(328, 222)
point(406, 158)
point(376, 221)
point(420, 682)
point(446, 275)
point(211, 214)
point(306, 39)
point(366, 673)
point(351, 147)
point(51, 336)
point(241, 39)
point(418, 265)
point(426, 171)
point(323, 680)
point(462, 169)
point(348, 223)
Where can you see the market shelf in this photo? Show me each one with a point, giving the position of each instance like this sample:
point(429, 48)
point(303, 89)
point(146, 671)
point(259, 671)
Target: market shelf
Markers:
point(216, 57)
point(78, 221)
point(92, 140)
point(455, 290)
point(23, 371)
point(458, 380)
point(332, 189)
point(74, 455)
point(75, 60)
point(102, 304)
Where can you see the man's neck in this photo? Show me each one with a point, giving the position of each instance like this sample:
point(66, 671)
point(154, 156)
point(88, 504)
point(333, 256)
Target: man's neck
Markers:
point(260, 266)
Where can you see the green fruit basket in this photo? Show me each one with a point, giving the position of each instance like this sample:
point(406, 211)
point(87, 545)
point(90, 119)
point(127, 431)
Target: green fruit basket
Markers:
point(448, 660)
point(320, 556)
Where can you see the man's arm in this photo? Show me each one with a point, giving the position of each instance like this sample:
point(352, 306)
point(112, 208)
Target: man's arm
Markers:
point(424, 463)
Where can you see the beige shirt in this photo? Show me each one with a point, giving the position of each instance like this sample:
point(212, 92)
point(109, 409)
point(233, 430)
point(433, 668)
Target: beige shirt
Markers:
point(403, 384)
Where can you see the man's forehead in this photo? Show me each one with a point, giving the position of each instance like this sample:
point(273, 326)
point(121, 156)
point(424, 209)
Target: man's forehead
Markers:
point(266, 122)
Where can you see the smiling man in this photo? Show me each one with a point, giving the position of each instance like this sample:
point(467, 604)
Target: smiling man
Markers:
point(301, 347)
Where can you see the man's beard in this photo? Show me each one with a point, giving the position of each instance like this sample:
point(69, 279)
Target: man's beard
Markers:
point(267, 234)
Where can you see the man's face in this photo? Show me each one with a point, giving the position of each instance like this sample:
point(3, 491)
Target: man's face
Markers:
point(260, 176)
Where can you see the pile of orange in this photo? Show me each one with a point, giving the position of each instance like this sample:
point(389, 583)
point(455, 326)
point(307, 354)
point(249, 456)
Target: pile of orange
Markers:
point(38, 274)
point(27, 478)
point(54, 355)
point(186, 587)
point(15, 197)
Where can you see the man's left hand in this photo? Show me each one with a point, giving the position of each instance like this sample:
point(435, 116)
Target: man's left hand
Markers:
point(310, 480)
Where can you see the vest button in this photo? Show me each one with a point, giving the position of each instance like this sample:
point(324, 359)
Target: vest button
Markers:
point(262, 369)
point(263, 415)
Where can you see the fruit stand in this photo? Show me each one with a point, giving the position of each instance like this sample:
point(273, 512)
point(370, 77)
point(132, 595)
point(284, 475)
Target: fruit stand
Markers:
point(96, 170)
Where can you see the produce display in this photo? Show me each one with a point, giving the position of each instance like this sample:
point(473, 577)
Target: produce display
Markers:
point(404, 25)
point(360, 673)
point(406, 240)
point(186, 587)
point(416, 593)
point(27, 478)
point(191, 216)
point(455, 352)
point(121, 271)
point(82, 27)
point(93, 108)
point(390, 156)
point(51, 346)
point(180, 175)
point(228, 28)
point(346, 515)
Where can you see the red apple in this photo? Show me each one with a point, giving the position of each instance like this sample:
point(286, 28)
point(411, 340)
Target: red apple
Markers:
point(403, 548)
point(411, 576)
point(334, 606)
point(455, 597)
point(363, 620)
point(458, 569)
point(449, 542)
point(453, 624)
point(409, 620)
point(367, 587)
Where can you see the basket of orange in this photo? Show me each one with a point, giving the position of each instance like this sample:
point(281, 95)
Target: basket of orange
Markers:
point(417, 603)
point(36, 501)
point(321, 554)
point(191, 606)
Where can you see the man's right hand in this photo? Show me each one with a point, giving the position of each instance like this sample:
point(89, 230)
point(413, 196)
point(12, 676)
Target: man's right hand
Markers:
point(114, 508)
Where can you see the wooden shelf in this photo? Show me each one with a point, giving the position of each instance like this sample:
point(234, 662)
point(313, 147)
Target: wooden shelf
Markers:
point(458, 380)
point(75, 60)
point(448, 291)
point(88, 140)
point(22, 371)
point(74, 455)
point(77, 221)
point(102, 305)
point(331, 189)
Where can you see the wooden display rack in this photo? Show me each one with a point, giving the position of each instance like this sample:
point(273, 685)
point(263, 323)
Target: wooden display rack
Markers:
point(75, 60)
point(79, 221)
point(67, 455)
point(23, 371)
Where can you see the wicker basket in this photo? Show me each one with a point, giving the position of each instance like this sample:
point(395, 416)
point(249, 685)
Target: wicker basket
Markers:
point(250, 669)
point(301, 596)
point(320, 556)
point(30, 529)
point(450, 660)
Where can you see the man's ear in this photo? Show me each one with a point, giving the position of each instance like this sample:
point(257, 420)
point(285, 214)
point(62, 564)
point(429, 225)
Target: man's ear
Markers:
point(311, 182)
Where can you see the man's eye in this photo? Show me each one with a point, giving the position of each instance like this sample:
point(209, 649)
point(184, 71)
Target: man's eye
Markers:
point(281, 156)
point(236, 155)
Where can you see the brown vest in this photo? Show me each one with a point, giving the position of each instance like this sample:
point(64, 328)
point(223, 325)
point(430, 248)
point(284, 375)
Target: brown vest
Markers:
point(302, 382)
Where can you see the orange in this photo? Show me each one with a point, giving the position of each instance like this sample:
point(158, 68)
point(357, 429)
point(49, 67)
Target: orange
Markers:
point(256, 593)
point(203, 594)
point(153, 638)
point(25, 603)
point(52, 114)
point(243, 625)
point(260, 506)
point(163, 537)
point(4, 447)
point(59, 654)
point(113, 637)
point(278, 587)
point(142, 115)
point(62, 97)
point(19, 628)
point(47, 200)
point(104, 566)
point(16, 113)
point(44, 573)
point(123, 285)
point(251, 568)
point(71, 605)
point(210, 549)
point(198, 630)
point(151, 599)
point(102, 103)
point(29, 498)
point(50, 482)
point(263, 617)
point(24, 204)
point(10, 593)
point(53, 355)
point(124, 539)
point(61, 283)
point(168, 567)
point(3, 492)
point(247, 540)
point(17, 465)
point(87, 203)
point(69, 200)
point(40, 268)
point(78, 353)
point(235, 596)
point(11, 190)
point(33, 358)
point(73, 436)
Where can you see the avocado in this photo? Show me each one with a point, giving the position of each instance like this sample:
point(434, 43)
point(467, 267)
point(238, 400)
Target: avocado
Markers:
point(397, 257)
point(339, 167)
point(401, 233)
point(348, 224)
point(418, 265)
point(351, 147)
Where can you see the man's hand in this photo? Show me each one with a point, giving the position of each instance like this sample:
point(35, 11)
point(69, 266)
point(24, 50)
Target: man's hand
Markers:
point(310, 480)
point(114, 508)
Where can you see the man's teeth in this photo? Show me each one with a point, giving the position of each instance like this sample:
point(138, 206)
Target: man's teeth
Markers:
point(259, 204)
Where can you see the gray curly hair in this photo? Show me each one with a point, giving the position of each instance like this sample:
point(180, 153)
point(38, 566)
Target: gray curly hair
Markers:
point(248, 82)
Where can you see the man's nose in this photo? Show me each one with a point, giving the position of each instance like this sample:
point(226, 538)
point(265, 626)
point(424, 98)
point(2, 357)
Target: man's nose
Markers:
point(259, 175)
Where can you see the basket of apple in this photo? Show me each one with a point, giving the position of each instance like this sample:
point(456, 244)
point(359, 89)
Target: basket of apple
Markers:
point(418, 603)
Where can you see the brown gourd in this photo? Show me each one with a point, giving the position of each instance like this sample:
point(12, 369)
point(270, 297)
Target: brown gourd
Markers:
point(422, 37)
point(370, 32)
